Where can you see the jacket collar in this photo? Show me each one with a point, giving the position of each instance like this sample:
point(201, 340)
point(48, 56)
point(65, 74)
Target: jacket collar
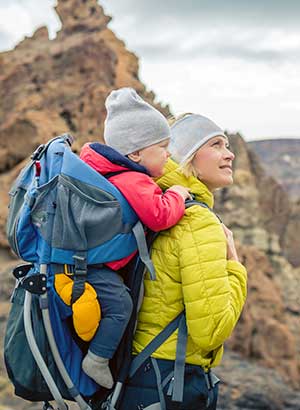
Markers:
point(105, 159)
point(173, 176)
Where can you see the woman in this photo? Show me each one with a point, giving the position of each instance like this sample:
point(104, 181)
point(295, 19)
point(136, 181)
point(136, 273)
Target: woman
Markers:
point(198, 272)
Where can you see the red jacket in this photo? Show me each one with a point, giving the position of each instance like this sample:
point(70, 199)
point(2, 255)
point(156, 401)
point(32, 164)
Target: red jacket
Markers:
point(155, 209)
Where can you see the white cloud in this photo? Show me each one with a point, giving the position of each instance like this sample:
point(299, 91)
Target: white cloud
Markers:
point(11, 14)
point(233, 93)
point(19, 19)
point(267, 13)
point(279, 39)
point(291, 105)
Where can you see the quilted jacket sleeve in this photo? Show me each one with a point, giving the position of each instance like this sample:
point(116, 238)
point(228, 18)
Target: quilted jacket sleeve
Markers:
point(156, 210)
point(214, 289)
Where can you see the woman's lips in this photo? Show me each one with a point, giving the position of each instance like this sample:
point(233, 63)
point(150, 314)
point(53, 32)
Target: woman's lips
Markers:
point(226, 167)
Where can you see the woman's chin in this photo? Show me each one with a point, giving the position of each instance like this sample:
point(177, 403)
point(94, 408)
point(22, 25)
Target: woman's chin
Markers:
point(228, 181)
point(223, 183)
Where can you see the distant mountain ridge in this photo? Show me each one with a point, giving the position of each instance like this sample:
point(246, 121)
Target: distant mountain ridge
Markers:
point(280, 157)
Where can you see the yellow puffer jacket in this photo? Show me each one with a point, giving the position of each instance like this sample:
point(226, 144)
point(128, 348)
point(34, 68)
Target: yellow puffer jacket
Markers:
point(192, 274)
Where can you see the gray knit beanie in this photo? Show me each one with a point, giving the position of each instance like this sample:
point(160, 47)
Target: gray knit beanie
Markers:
point(189, 134)
point(132, 124)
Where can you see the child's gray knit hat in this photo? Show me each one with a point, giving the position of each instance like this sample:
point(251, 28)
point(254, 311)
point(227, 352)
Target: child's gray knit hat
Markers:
point(132, 124)
point(189, 134)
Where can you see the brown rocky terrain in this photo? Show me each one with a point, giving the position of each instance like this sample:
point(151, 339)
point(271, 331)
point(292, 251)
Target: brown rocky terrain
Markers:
point(258, 212)
point(48, 87)
point(281, 159)
point(251, 387)
point(266, 206)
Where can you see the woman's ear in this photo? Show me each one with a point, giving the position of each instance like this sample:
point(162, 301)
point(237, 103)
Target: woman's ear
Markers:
point(135, 156)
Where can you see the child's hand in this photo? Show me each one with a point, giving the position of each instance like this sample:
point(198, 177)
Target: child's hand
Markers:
point(182, 190)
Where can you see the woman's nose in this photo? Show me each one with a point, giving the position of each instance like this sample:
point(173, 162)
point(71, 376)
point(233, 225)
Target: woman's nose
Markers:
point(229, 154)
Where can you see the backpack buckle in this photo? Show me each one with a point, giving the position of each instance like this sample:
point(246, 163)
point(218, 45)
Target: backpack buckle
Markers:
point(80, 267)
point(22, 270)
point(68, 270)
point(38, 152)
point(68, 138)
point(35, 284)
point(80, 272)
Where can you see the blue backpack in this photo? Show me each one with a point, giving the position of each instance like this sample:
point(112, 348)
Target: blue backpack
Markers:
point(61, 212)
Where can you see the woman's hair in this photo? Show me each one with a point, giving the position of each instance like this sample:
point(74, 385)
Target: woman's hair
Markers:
point(172, 119)
point(187, 168)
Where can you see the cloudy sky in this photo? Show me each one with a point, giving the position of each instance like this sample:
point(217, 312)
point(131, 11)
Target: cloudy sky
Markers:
point(235, 61)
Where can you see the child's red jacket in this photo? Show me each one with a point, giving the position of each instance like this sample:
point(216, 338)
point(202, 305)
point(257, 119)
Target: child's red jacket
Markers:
point(155, 209)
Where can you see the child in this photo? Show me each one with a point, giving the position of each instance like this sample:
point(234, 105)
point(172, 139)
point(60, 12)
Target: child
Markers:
point(137, 138)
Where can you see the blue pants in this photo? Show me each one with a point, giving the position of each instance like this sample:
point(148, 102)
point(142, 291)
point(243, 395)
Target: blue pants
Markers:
point(116, 308)
point(142, 391)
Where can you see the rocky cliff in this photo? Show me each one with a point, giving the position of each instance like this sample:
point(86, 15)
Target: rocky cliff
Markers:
point(281, 159)
point(265, 210)
point(48, 87)
point(258, 211)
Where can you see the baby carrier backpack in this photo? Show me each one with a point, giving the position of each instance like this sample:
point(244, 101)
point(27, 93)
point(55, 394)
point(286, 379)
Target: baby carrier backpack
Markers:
point(64, 217)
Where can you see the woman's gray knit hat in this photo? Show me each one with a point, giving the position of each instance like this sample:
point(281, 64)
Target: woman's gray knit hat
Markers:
point(132, 124)
point(189, 134)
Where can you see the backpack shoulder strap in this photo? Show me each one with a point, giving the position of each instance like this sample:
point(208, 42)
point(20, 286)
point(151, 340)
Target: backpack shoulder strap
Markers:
point(139, 234)
point(155, 343)
point(192, 202)
point(177, 384)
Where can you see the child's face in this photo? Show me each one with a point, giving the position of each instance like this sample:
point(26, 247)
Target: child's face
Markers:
point(153, 158)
